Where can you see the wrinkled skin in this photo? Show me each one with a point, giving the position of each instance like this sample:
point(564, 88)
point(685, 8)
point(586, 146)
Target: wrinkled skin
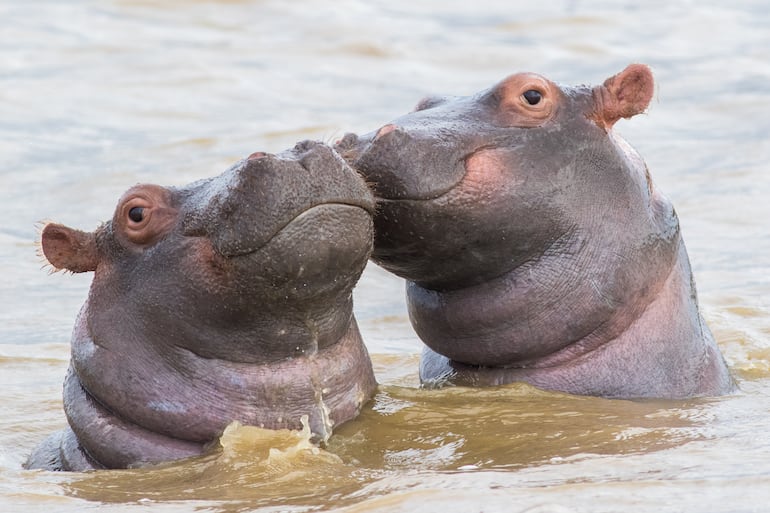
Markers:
point(228, 299)
point(534, 243)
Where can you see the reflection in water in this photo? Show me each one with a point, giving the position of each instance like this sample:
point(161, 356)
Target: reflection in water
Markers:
point(505, 428)
point(405, 429)
point(743, 332)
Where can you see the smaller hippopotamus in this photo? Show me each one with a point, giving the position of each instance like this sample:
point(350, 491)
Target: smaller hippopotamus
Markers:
point(534, 243)
point(227, 299)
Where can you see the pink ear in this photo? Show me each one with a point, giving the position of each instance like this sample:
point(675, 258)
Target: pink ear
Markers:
point(624, 95)
point(66, 248)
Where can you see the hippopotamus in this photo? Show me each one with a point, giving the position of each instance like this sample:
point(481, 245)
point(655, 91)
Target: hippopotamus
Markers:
point(229, 299)
point(534, 244)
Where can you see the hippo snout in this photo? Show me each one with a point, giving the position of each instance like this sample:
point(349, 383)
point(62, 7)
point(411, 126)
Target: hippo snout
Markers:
point(385, 156)
point(245, 207)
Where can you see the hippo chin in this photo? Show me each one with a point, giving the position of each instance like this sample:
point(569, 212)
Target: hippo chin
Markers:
point(535, 246)
point(227, 299)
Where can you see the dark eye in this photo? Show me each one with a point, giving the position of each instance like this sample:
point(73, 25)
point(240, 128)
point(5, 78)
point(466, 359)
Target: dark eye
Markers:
point(136, 214)
point(533, 97)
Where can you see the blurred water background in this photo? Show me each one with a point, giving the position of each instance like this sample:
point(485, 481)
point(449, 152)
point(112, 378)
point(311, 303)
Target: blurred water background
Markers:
point(96, 96)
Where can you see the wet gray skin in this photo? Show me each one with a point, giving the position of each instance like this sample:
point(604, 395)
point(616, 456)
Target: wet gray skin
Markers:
point(228, 299)
point(535, 244)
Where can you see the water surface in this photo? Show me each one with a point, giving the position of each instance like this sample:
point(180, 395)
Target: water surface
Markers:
point(96, 96)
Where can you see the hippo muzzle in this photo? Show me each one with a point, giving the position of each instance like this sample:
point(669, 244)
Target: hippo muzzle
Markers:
point(243, 209)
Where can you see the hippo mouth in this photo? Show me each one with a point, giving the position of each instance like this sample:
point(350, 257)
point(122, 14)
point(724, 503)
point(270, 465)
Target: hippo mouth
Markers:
point(313, 216)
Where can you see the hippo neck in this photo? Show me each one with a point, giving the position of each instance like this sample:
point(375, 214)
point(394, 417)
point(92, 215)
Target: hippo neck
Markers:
point(275, 336)
point(667, 352)
point(572, 301)
point(134, 407)
point(258, 331)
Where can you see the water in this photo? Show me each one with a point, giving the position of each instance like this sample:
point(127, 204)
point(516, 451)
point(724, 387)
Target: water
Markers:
point(97, 96)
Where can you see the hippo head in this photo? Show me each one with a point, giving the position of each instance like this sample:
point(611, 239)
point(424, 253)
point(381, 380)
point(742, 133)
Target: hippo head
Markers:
point(471, 187)
point(254, 265)
point(227, 299)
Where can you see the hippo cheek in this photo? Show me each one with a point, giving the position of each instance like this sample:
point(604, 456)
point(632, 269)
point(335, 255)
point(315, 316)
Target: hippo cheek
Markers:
point(489, 172)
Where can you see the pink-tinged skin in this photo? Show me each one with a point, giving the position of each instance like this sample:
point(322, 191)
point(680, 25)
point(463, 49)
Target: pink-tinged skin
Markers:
point(226, 300)
point(535, 245)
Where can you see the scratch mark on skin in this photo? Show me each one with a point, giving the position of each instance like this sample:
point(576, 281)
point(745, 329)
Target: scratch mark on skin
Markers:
point(167, 406)
point(605, 298)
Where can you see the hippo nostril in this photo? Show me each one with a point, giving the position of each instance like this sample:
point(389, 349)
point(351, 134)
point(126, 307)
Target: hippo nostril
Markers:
point(348, 141)
point(385, 130)
point(306, 145)
point(257, 155)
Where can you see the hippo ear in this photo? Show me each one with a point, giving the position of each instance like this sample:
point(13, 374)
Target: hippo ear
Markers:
point(66, 248)
point(624, 95)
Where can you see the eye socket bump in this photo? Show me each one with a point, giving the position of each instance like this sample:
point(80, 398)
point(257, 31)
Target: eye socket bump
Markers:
point(532, 96)
point(144, 214)
point(525, 100)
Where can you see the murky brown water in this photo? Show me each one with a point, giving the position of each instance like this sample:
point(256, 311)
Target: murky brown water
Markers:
point(97, 96)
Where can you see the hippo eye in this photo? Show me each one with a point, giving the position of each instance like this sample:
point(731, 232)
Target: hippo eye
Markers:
point(532, 96)
point(136, 214)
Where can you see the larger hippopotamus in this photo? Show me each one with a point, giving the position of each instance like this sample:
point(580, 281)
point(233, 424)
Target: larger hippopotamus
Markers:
point(535, 245)
point(228, 299)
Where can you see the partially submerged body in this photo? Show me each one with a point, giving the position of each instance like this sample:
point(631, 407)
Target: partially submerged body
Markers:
point(535, 245)
point(228, 299)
